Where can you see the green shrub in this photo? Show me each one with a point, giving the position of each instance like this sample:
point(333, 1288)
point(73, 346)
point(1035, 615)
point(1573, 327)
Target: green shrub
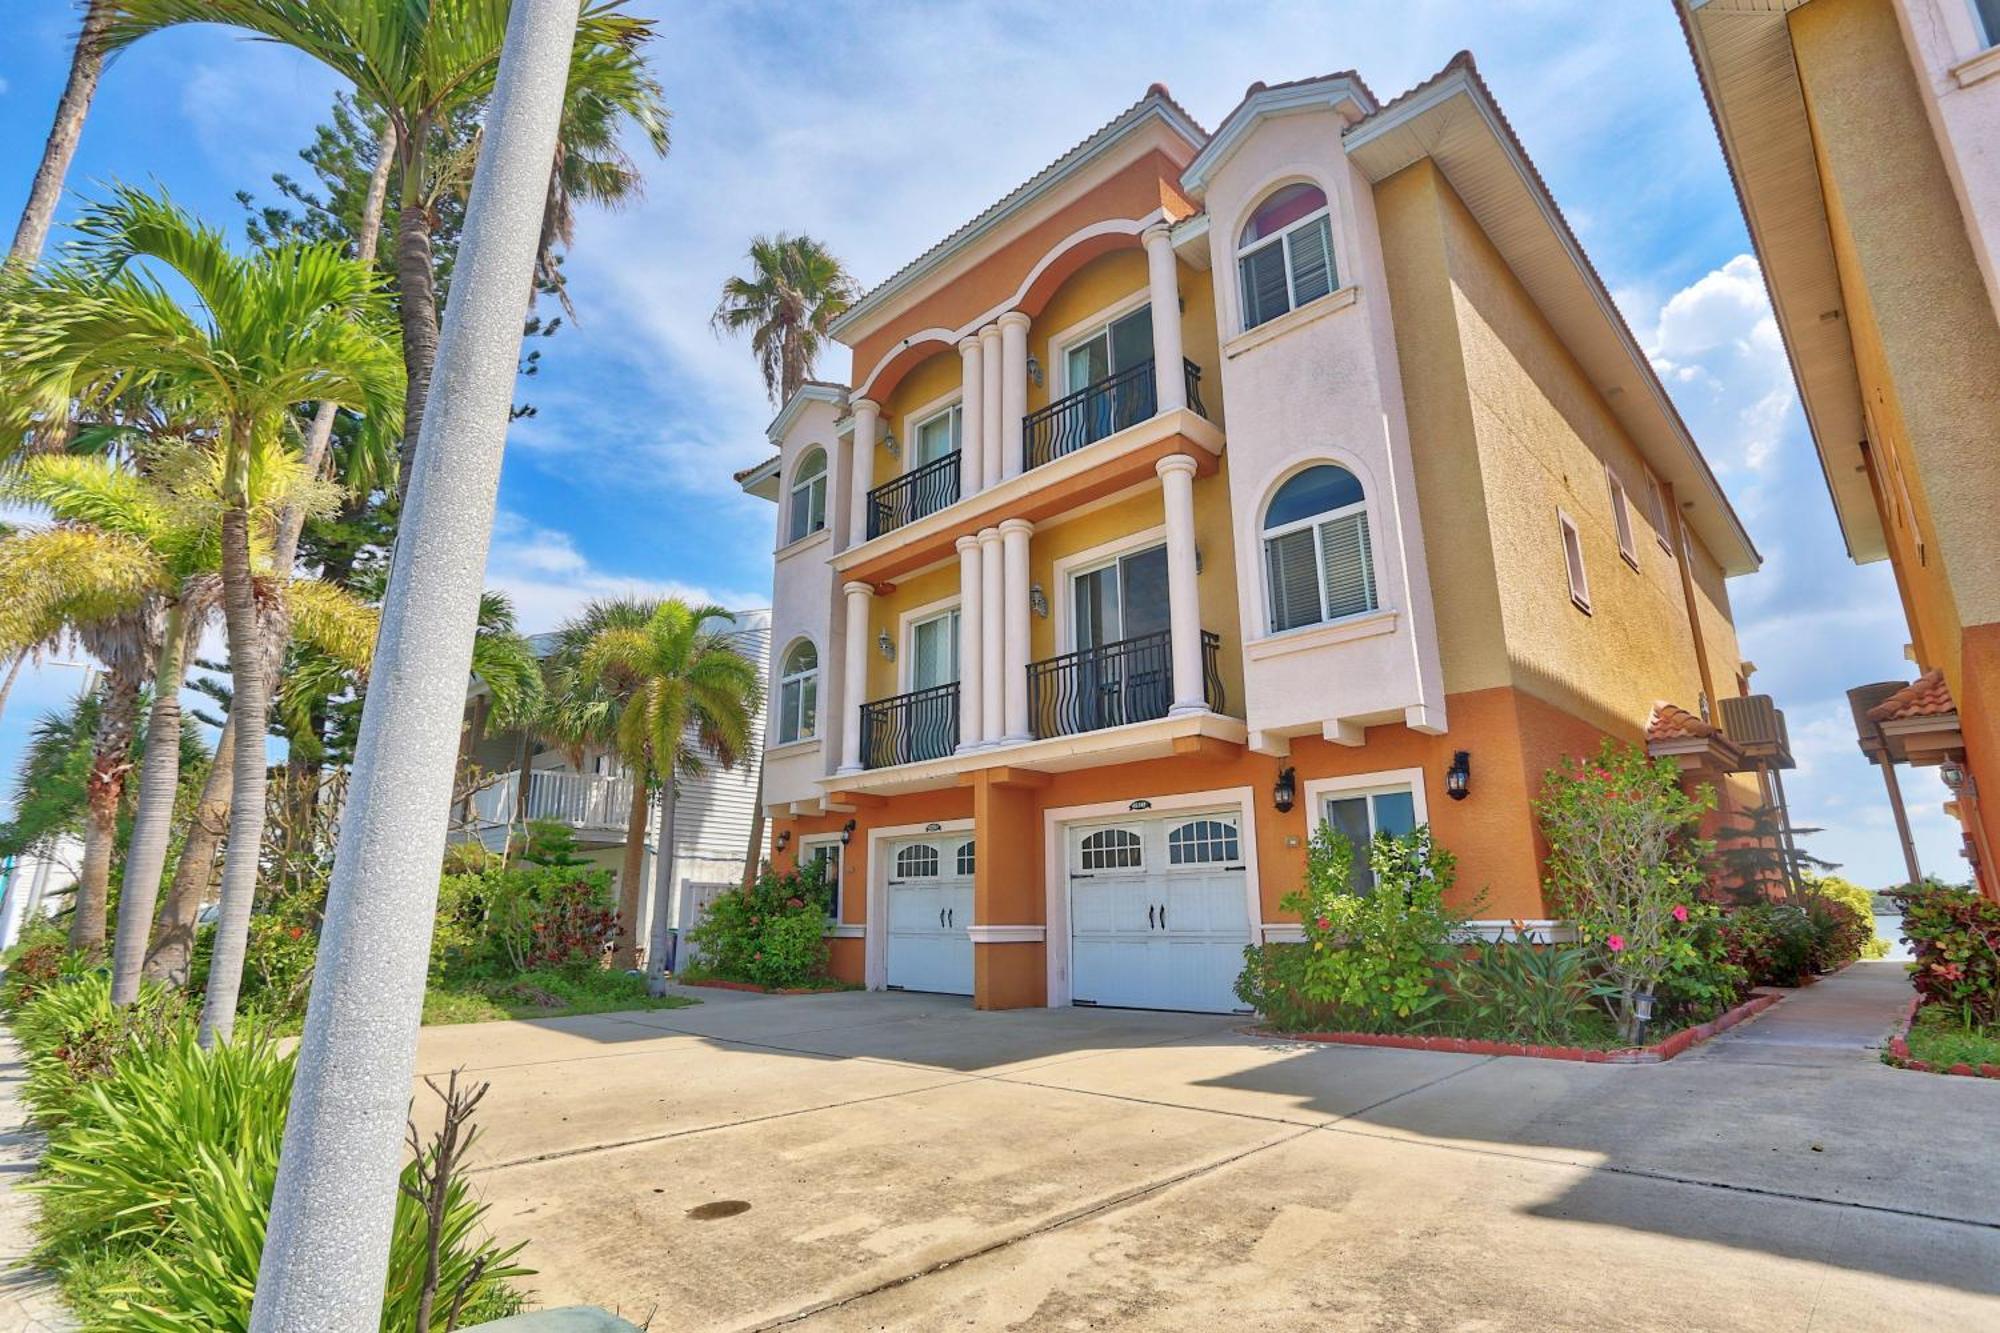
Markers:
point(1703, 976)
point(772, 935)
point(278, 964)
point(1956, 936)
point(1371, 961)
point(1517, 991)
point(38, 964)
point(1839, 931)
point(1773, 943)
point(72, 1036)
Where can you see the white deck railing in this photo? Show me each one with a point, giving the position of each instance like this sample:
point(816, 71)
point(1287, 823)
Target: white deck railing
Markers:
point(580, 800)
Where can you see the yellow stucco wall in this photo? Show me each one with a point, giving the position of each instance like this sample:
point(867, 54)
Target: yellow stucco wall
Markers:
point(941, 376)
point(1924, 335)
point(936, 585)
point(1507, 431)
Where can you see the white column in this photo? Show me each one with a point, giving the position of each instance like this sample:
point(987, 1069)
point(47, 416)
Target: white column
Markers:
point(854, 675)
point(990, 430)
point(972, 418)
point(1013, 389)
point(1014, 625)
point(1183, 597)
point(971, 635)
point(992, 637)
point(860, 469)
point(1163, 280)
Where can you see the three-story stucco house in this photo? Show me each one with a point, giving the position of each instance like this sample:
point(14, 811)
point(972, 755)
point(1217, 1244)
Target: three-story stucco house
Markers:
point(1207, 487)
point(1864, 139)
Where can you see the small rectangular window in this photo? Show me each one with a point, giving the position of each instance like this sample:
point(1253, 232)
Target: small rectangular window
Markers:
point(1621, 518)
point(1364, 815)
point(1579, 582)
point(1656, 512)
point(825, 855)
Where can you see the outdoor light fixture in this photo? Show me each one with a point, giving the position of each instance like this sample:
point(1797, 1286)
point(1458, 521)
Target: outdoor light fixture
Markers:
point(847, 833)
point(1035, 371)
point(1287, 789)
point(885, 646)
point(889, 443)
point(1197, 560)
point(1038, 601)
point(1458, 778)
point(1953, 774)
point(1642, 1014)
point(784, 839)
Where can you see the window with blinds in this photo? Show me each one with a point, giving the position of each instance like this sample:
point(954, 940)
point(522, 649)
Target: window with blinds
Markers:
point(809, 496)
point(1319, 561)
point(1285, 254)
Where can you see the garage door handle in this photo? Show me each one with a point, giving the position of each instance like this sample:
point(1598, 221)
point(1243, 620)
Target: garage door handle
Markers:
point(1163, 916)
point(1149, 916)
point(940, 918)
point(951, 916)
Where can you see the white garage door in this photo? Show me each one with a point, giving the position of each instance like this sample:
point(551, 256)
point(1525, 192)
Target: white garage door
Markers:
point(930, 906)
point(1158, 913)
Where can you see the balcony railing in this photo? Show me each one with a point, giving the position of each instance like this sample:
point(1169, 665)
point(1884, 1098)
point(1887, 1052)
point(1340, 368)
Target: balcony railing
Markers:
point(1131, 680)
point(918, 492)
point(585, 801)
point(922, 724)
point(1097, 410)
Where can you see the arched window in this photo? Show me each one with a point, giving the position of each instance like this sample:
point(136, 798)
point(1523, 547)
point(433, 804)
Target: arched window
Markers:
point(1317, 558)
point(798, 693)
point(1109, 849)
point(808, 495)
point(919, 860)
point(1203, 841)
point(1284, 257)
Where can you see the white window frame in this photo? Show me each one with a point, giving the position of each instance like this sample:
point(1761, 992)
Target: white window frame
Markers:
point(1265, 536)
point(1988, 34)
point(1065, 570)
point(906, 639)
point(1621, 518)
point(810, 845)
point(915, 420)
point(1575, 571)
point(1383, 782)
point(786, 678)
point(1283, 238)
point(1083, 331)
point(807, 485)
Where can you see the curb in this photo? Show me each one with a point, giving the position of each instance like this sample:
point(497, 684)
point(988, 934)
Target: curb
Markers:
point(1657, 1053)
point(1897, 1053)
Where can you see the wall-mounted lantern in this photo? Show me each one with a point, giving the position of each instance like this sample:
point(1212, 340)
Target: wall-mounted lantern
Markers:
point(846, 833)
point(784, 840)
point(1458, 778)
point(1286, 791)
point(885, 646)
point(1035, 370)
point(1038, 601)
point(889, 443)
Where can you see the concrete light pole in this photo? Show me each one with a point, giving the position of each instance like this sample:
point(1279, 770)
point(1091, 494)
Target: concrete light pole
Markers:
point(326, 1254)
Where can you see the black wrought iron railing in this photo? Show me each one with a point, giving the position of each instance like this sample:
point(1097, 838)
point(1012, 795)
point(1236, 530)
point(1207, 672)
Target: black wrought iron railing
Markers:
point(1131, 680)
point(1097, 410)
point(920, 491)
point(922, 724)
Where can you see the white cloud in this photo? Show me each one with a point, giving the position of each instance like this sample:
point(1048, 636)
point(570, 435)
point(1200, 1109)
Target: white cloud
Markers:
point(550, 580)
point(1716, 344)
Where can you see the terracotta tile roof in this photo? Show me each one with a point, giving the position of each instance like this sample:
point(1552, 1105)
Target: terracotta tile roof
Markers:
point(1672, 723)
point(757, 467)
point(1926, 696)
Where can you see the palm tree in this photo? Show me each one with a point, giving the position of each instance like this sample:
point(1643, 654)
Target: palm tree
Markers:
point(505, 666)
point(85, 64)
point(685, 696)
point(796, 289)
point(422, 64)
point(267, 333)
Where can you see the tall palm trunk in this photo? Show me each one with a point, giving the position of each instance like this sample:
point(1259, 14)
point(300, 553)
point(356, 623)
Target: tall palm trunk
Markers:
point(172, 951)
point(416, 295)
point(626, 954)
point(248, 709)
point(110, 764)
point(7, 685)
point(84, 67)
point(158, 779)
point(664, 888)
point(753, 858)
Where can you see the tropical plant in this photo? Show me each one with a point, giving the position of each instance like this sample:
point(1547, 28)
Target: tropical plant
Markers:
point(686, 695)
point(773, 935)
point(1518, 990)
point(794, 292)
point(269, 332)
point(1758, 854)
point(86, 63)
point(1955, 934)
point(1624, 863)
point(421, 65)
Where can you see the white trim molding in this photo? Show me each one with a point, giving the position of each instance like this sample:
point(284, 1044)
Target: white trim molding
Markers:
point(1358, 784)
point(1297, 317)
point(1364, 626)
point(1007, 934)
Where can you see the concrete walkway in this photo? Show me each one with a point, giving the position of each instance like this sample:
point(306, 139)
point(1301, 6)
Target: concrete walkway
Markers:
point(1841, 1020)
point(868, 1161)
point(28, 1300)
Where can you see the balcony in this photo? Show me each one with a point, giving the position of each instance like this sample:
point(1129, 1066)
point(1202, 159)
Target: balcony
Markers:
point(916, 494)
point(1112, 684)
point(922, 724)
point(595, 806)
point(1097, 410)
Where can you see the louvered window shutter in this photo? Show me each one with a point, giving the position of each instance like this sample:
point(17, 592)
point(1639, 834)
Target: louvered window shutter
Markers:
point(1350, 567)
point(1312, 261)
point(1294, 580)
point(1264, 296)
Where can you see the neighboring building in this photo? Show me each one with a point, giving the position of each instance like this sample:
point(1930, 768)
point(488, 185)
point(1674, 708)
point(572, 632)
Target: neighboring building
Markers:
point(1204, 488)
point(36, 884)
point(590, 793)
point(1864, 137)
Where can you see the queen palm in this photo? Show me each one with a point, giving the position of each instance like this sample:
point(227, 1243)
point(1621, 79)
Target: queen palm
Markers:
point(796, 289)
point(422, 63)
point(265, 334)
point(685, 696)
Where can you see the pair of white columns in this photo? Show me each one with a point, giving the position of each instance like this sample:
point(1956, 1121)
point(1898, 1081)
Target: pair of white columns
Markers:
point(993, 636)
point(994, 397)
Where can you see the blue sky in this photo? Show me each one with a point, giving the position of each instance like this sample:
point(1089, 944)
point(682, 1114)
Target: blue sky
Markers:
point(879, 127)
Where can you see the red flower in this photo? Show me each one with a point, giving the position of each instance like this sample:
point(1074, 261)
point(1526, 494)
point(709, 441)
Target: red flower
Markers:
point(1324, 924)
point(296, 932)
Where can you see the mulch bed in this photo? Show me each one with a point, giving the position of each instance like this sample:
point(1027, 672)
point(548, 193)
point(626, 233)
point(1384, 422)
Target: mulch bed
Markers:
point(1664, 1049)
point(1899, 1055)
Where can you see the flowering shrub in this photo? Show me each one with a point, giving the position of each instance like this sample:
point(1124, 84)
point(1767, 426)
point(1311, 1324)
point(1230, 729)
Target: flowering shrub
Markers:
point(1370, 961)
point(772, 935)
point(1956, 936)
point(279, 963)
point(1623, 856)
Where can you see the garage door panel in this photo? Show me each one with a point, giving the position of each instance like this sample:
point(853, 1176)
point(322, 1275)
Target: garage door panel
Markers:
point(929, 909)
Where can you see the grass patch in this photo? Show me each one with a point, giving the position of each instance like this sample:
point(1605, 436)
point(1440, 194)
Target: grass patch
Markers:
point(550, 993)
point(1940, 1040)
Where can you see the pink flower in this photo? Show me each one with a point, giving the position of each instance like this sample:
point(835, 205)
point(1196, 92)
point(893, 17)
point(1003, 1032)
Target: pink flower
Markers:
point(1323, 923)
point(1680, 912)
point(1615, 943)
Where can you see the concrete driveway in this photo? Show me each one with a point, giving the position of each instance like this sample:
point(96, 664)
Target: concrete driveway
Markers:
point(909, 1163)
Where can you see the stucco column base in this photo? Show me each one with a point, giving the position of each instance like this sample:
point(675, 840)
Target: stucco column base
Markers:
point(1010, 976)
point(1007, 888)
